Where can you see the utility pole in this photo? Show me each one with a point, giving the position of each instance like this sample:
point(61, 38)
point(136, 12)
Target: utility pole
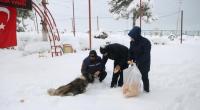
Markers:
point(73, 20)
point(97, 23)
point(181, 26)
point(90, 34)
point(178, 18)
point(140, 13)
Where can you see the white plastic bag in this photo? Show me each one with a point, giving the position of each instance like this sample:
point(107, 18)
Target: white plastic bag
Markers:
point(132, 81)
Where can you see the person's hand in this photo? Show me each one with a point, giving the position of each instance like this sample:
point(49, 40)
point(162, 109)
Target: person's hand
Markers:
point(90, 78)
point(117, 69)
point(96, 74)
point(130, 62)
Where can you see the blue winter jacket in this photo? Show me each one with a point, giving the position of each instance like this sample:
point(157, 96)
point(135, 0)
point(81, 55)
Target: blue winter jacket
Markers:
point(89, 67)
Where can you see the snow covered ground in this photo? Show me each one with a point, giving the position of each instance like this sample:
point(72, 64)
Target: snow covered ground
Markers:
point(174, 80)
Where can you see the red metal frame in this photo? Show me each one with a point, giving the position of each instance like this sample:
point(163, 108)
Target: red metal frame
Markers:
point(53, 36)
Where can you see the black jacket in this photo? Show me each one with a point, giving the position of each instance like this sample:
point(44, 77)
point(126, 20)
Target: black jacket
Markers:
point(139, 50)
point(116, 52)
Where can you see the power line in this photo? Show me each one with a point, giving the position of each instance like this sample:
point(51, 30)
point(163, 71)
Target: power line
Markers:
point(168, 15)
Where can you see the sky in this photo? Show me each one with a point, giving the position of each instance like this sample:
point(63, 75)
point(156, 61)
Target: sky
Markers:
point(165, 10)
point(167, 7)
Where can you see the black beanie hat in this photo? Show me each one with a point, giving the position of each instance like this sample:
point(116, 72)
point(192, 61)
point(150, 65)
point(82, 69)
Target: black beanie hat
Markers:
point(93, 52)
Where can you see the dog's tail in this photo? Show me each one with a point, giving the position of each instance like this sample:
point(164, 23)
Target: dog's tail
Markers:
point(51, 91)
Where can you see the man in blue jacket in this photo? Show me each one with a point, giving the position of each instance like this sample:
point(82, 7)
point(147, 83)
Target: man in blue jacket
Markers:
point(118, 53)
point(93, 68)
point(139, 53)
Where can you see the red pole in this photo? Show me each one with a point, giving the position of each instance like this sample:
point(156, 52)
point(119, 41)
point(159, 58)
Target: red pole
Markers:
point(140, 13)
point(73, 21)
point(90, 44)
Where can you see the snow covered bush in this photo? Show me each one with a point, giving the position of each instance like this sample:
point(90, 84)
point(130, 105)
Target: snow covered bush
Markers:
point(101, 35)
point(126, 8)
point(36, 47)
point(157, 40)
point(24, 38)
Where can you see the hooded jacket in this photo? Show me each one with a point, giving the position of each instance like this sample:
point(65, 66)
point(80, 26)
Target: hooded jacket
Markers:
point(139, 50)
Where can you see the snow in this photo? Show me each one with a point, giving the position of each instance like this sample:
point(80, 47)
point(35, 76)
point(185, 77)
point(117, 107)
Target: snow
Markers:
point(28, 71)
point(24, 81)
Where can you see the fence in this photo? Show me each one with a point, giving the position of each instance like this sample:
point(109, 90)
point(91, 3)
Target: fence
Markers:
point(169, 32)
point(123, 26)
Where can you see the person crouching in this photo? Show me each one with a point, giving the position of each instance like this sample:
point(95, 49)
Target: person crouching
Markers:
point(92, 67)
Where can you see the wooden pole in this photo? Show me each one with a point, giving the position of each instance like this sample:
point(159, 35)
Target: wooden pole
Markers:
point(90, 34)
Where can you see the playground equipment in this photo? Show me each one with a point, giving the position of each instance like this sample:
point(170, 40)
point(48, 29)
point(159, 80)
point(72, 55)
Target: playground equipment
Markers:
point(53, 34)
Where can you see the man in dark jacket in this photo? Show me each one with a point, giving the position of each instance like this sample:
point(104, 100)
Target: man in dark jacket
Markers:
point(118, 53)
point(139, 53)
point(93, 68)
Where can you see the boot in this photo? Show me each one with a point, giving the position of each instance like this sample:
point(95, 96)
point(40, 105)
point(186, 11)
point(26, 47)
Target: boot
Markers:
point(102, 76)
point(113, 85)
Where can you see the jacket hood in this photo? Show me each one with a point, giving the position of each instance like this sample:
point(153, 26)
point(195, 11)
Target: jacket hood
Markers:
point(135, 33)
point(103, 50)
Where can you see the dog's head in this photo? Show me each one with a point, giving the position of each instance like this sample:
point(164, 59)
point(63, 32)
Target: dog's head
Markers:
point(51, 92)
point(82, 77)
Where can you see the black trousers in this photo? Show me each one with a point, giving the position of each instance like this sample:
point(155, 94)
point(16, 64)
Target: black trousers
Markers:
point(145, 78)
point(117, 78)
point(102, 75)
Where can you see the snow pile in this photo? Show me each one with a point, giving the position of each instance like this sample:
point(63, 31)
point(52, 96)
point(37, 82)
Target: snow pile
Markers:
point(36, 47)
point(31, 42)
point(158, 40)
point(24, 38)
point(68, 38)
point(81, 40)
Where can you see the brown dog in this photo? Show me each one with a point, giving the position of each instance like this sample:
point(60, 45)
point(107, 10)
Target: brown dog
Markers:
point(75, 87)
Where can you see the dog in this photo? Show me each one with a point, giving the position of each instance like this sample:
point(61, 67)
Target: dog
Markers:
point(77, 86)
